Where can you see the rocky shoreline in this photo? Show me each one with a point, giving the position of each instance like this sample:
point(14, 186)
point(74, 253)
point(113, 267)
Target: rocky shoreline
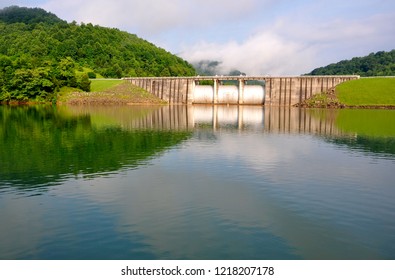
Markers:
point(323, 100)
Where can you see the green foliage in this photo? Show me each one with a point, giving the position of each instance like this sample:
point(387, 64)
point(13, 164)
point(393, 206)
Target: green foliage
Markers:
point(92, 75)
point(22, 80)
point(375, 64)
point(15, 14)
point(84, 83)
point(369, 91)
point(34, 44)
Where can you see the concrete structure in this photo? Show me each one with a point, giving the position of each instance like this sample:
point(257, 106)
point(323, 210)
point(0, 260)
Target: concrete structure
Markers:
point(278, 91)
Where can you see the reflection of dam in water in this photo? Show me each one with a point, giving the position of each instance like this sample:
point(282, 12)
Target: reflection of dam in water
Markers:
point(244, 118)
point(273, 120)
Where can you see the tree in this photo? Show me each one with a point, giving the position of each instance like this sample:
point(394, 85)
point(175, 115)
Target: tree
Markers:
point(66, 72)
point(84, 83)
point(165, 72)
point(32, 84)
point(375, 64)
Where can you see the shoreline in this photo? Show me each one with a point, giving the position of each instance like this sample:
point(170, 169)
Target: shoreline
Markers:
point(343, 106)
point(101, 100)
point(129, 94)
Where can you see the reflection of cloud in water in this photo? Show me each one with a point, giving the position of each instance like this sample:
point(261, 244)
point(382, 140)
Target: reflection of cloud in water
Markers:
point(22, 231)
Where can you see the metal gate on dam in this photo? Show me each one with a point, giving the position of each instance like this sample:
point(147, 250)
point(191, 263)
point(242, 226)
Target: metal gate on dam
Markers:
point(247, 90)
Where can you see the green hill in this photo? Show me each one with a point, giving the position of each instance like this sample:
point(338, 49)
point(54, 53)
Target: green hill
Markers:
point(375, 64)
point(16, 14)
point(40, 53)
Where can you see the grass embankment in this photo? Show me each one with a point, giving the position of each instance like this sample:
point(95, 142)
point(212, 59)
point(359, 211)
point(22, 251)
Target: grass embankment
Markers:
point(367, 92)
point(102, 85)
point(109, 92)
point(362, 93)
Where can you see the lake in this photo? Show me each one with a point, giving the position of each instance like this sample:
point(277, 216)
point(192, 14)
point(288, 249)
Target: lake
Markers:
point(196, 182)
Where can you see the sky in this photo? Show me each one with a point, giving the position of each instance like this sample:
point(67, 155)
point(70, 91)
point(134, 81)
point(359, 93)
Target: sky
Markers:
point(257, 37)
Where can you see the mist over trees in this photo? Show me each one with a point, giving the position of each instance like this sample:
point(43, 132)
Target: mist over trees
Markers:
point(40, 53)
point(212, 68)
point(375, 64)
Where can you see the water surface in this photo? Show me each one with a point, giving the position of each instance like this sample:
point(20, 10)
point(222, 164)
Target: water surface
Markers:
point(197, 182)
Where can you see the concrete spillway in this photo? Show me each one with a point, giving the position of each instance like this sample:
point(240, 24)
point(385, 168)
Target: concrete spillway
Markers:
point(228, 94)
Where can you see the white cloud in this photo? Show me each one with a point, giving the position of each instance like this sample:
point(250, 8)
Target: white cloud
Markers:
point(152, 16)
point(261, 54)
point(292, 47)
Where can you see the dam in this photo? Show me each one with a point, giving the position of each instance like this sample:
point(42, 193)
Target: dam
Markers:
point(241, 90)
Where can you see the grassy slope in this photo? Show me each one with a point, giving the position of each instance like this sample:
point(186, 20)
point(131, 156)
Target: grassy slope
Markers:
point(369, 91)
point(110, 92)
point(101, 85)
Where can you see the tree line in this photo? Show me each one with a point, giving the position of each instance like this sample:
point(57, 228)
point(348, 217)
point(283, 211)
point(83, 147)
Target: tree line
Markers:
point(375, 64)
point(39, 53)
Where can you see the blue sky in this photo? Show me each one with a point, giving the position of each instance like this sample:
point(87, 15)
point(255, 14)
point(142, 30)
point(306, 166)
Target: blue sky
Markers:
point(259, 37)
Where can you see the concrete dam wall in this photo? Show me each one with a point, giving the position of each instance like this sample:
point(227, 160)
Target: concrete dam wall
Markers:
point(228, 94)
point(277, 91)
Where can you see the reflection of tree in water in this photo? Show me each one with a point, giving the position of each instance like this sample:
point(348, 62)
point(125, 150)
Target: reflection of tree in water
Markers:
point(42, 146)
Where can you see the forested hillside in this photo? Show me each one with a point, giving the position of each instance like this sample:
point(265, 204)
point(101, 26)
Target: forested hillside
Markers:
point(375, 64)
point(39, 53)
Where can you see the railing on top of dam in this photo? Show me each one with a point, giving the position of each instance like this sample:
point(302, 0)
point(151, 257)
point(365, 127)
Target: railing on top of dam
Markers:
point(280, 91)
